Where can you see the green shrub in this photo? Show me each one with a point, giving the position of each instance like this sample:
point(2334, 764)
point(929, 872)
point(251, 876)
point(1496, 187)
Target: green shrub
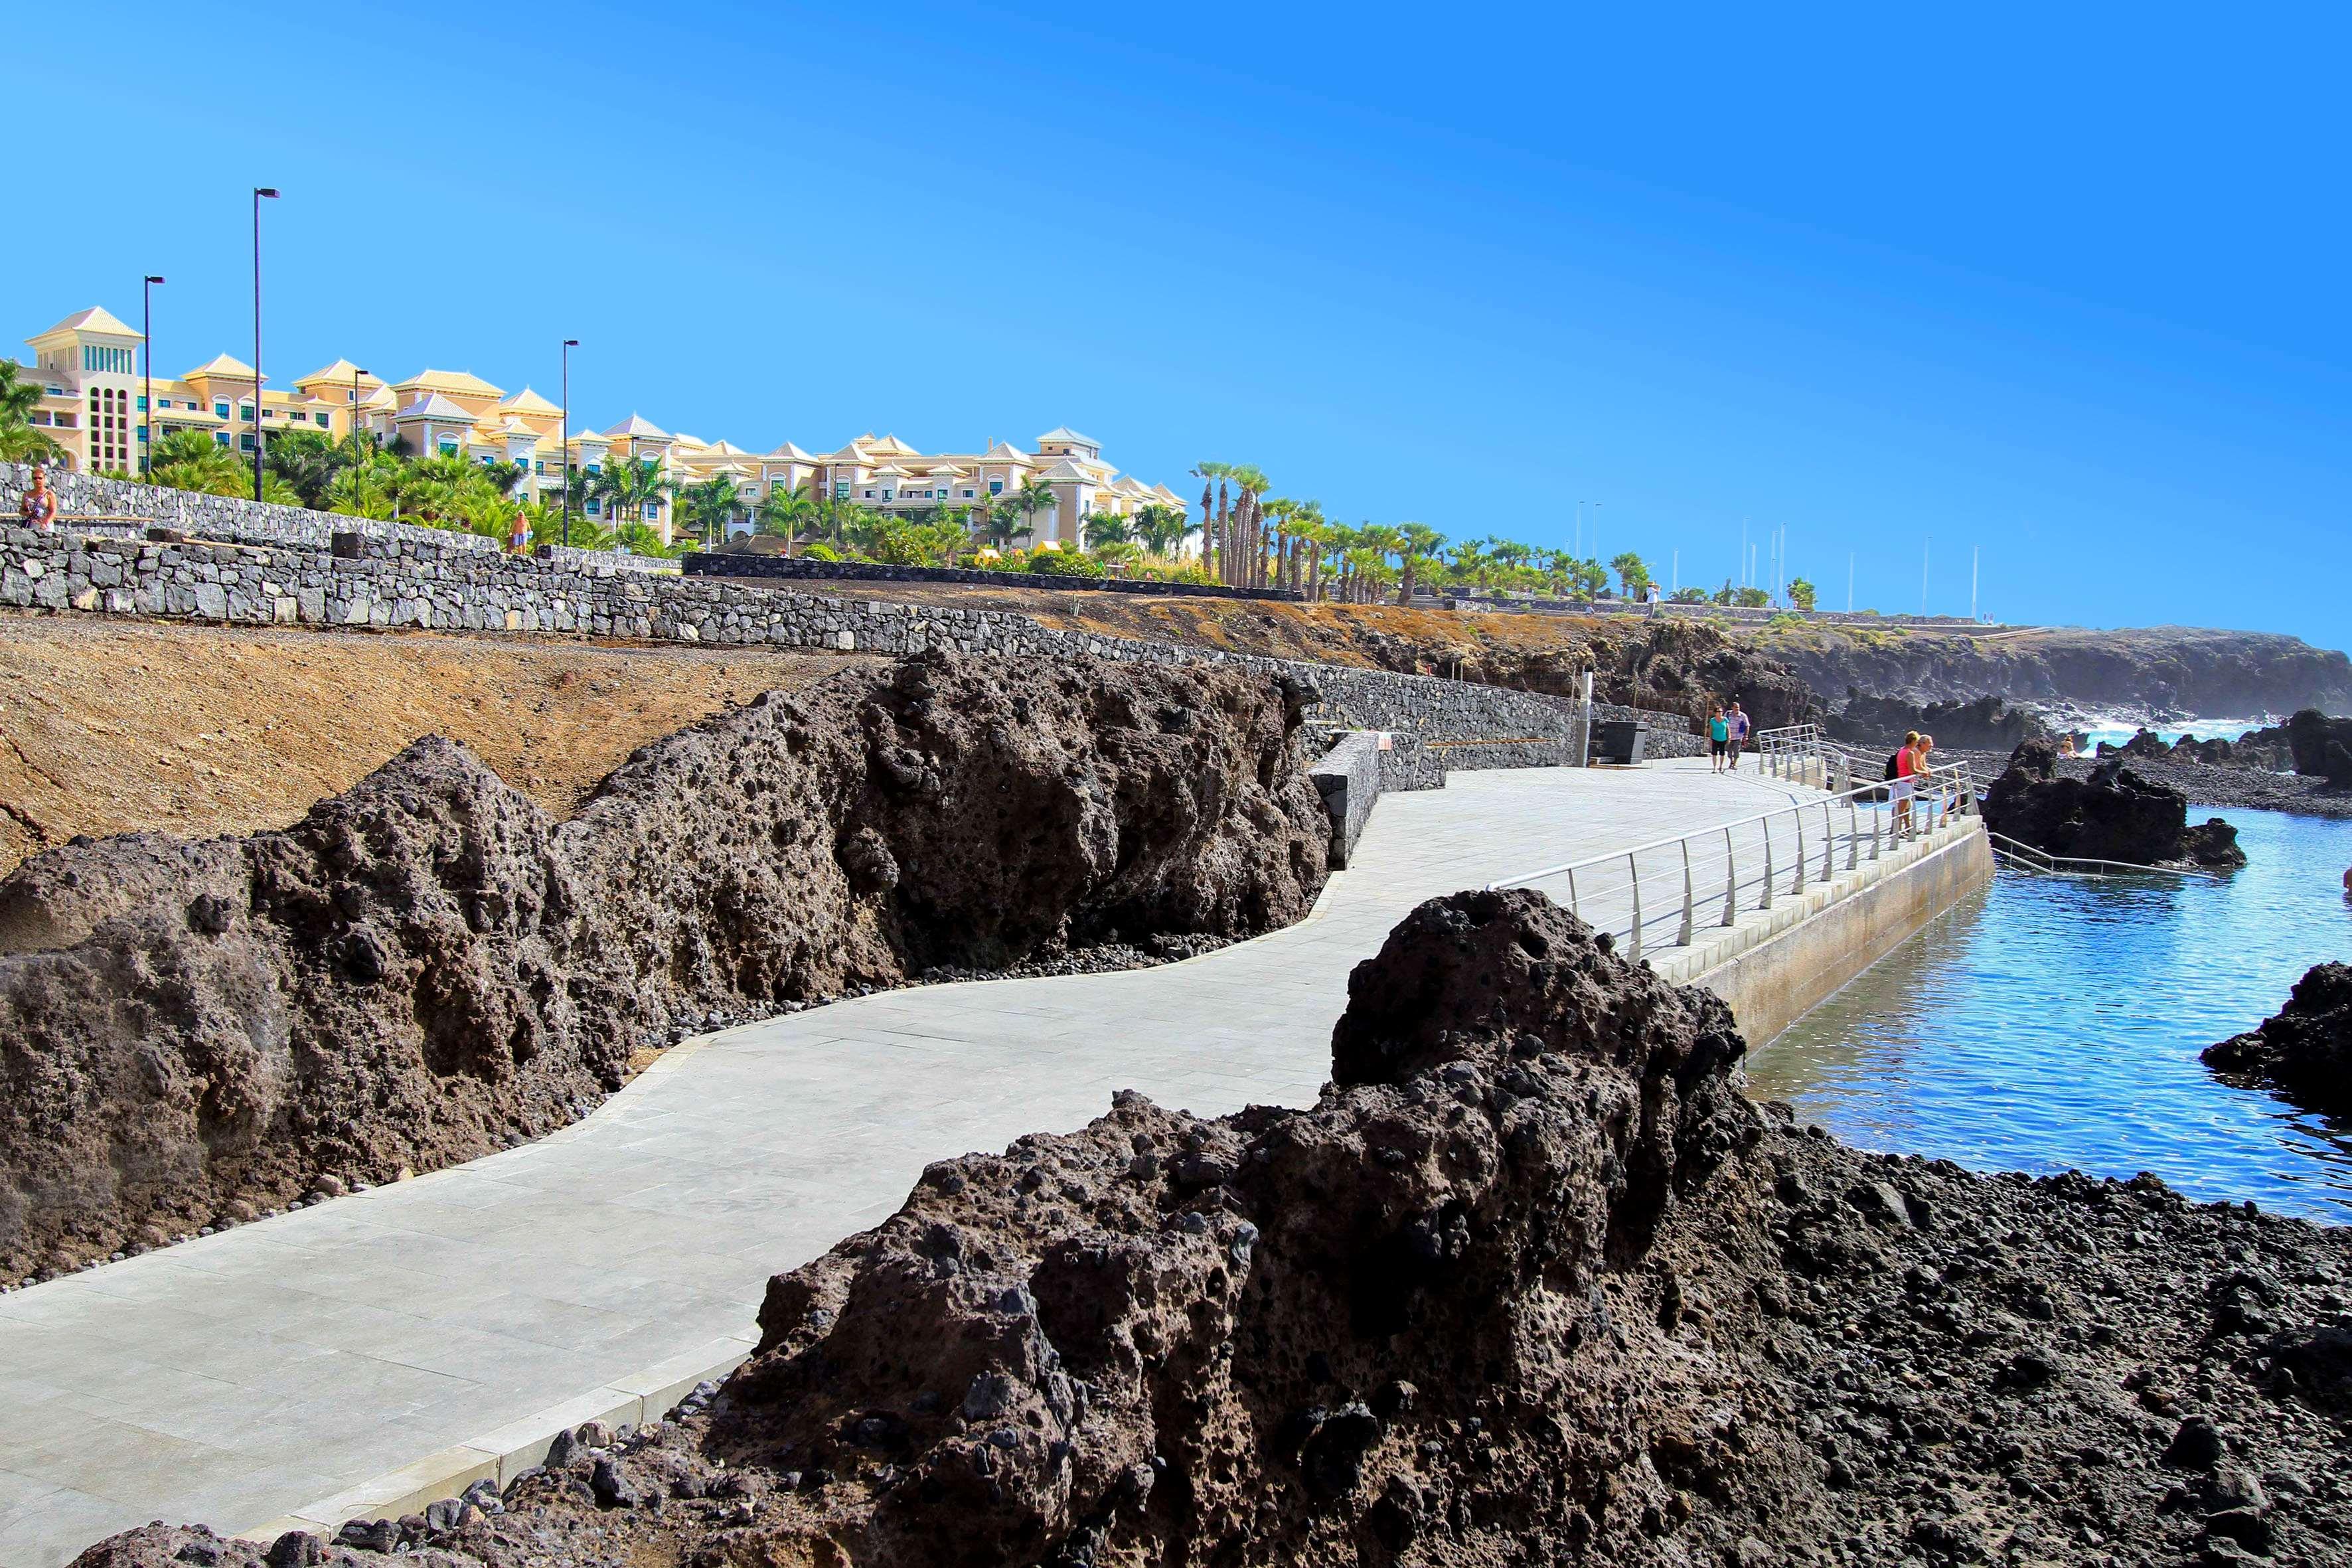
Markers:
point(1062, 564)
point(820, 552)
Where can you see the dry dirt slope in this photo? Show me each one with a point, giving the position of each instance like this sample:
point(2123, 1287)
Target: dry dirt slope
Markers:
point(111, 727)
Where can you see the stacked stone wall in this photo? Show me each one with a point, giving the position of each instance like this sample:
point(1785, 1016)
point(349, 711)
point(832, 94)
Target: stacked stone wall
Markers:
point(392, 581)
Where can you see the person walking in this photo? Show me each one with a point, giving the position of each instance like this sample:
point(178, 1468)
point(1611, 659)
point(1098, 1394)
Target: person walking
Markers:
point(38, 510)
point(519, 535)
point(1738, 734)
point(1921, 768)
point(1718, 739)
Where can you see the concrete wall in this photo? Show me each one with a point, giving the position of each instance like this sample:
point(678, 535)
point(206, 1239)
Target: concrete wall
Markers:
point(1775, 972)
point(1348, 778)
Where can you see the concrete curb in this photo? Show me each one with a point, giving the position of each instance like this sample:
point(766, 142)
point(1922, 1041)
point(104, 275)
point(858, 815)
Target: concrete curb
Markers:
point(502, 1454)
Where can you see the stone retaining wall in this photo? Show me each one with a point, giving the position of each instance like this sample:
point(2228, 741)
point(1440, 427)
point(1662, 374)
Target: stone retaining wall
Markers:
point(384, 581)
point(700, 564)
point(1348, 778)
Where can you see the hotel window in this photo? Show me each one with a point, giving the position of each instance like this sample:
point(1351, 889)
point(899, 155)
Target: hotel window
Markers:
point(220, 437)
point(245, 442)
point(967, 495)
point(244, 412)
point(593, 508)
point(652, 511)
point(996, 487)
point(220, 409)
point(142, 405)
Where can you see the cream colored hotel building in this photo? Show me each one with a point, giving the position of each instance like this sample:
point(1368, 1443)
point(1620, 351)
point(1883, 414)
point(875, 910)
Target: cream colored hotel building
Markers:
point(93, 406)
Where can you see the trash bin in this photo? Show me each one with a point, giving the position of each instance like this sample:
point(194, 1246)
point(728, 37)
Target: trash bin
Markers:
point(1620, 740)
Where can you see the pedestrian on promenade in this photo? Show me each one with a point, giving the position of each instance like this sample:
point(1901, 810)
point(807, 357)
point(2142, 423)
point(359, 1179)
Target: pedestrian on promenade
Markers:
point(1738, 734)
point(519, 535)
point(38, 510)
point(1718, 739)
point(1921, 766)
point(1901, 783)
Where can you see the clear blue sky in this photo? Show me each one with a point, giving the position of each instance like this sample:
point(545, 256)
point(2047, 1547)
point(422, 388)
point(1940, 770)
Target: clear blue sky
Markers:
point(2068, 284)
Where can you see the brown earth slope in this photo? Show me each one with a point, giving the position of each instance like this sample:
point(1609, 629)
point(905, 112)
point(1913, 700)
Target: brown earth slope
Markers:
point(1672, 666)
point(115, 726)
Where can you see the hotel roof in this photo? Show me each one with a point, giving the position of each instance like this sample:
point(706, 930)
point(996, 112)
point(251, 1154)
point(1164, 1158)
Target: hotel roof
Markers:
point(435, 407)
point(224, 366)
point(639, 426)
point(789, 453)
point(458, 382)
point(96, 320)
point(1064, 432)
point(529, 401)
point(343, 373)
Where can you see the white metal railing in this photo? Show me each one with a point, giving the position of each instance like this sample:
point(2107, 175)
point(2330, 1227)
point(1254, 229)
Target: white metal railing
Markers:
point(1753, 856)
point(2024, 856)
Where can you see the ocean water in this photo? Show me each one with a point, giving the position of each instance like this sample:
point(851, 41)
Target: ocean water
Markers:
point(2116, 732)
point(2050, 1023)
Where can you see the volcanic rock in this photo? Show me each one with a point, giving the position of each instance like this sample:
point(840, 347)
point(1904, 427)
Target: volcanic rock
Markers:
point(1984, 724)
point(1536, 1284)
point(2114, 815)
point(429, 967)
point(2305, 1050)
point(2321, 746)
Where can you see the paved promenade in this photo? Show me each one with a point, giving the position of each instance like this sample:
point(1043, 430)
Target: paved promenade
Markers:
point(239, 1377)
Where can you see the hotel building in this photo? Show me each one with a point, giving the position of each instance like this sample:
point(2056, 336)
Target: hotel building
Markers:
point(95, 392)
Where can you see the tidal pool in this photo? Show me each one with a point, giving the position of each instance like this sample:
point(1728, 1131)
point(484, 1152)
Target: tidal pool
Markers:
point(2050, 1023)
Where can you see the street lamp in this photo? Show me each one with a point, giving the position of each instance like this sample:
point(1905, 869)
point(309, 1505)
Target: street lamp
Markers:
point(356, 373)
point(569, 344)
point(147, 357)
point(259, 193)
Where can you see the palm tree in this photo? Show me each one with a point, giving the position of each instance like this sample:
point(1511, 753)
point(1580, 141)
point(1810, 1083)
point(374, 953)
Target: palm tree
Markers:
point(787, 514)
point(1253, 483)
point(626, 486)
point(20, 441)
point(1213, 541)
point(1103, 528)
point(1416, 543)
point(370, 489)
point(1033, 496)
point(192, 460)
point(710, 506)
point(998, 529)
point(1163, 529)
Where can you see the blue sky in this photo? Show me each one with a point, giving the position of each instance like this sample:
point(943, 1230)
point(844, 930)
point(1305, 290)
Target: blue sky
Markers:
point(2067, 288)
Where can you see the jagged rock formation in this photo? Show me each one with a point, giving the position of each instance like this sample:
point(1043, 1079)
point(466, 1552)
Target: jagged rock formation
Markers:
point(2305, 1050)
point(1533, 1283)
point(429, 966)
point(1984, 724)
point(2114, 815)
point(2321, 746)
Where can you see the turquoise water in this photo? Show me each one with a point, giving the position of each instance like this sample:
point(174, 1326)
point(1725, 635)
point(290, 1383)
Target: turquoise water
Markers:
point(2210, 730)
point(2048, 1023)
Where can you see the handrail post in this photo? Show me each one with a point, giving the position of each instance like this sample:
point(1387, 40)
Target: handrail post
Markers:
point(1572, 892)
point(1853, 835)
point(1683, 939)
point(1797, 886)
point(1730, 881)
point(1766, 824)
point(1633, 871)
point(1876, 822)
point(1829, 843)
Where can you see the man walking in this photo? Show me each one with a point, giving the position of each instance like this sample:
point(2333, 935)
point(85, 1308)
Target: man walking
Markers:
point(1738, 734)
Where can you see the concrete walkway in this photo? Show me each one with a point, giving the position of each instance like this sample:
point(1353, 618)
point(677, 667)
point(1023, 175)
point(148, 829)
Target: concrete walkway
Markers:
point(246, 1377)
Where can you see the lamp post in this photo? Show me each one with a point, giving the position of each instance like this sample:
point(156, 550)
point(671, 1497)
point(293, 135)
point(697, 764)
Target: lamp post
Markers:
point(569, 344)
point(356, 373)
point(259, 193)
point(147, 366)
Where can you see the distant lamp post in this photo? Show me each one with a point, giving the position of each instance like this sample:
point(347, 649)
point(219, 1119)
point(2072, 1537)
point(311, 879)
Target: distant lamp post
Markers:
point(356, 373)
point(260, 193)
point(147, 366)
point(569, 344)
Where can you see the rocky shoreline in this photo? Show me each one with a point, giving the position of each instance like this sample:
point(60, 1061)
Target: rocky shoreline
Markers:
point(1532, 1281)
